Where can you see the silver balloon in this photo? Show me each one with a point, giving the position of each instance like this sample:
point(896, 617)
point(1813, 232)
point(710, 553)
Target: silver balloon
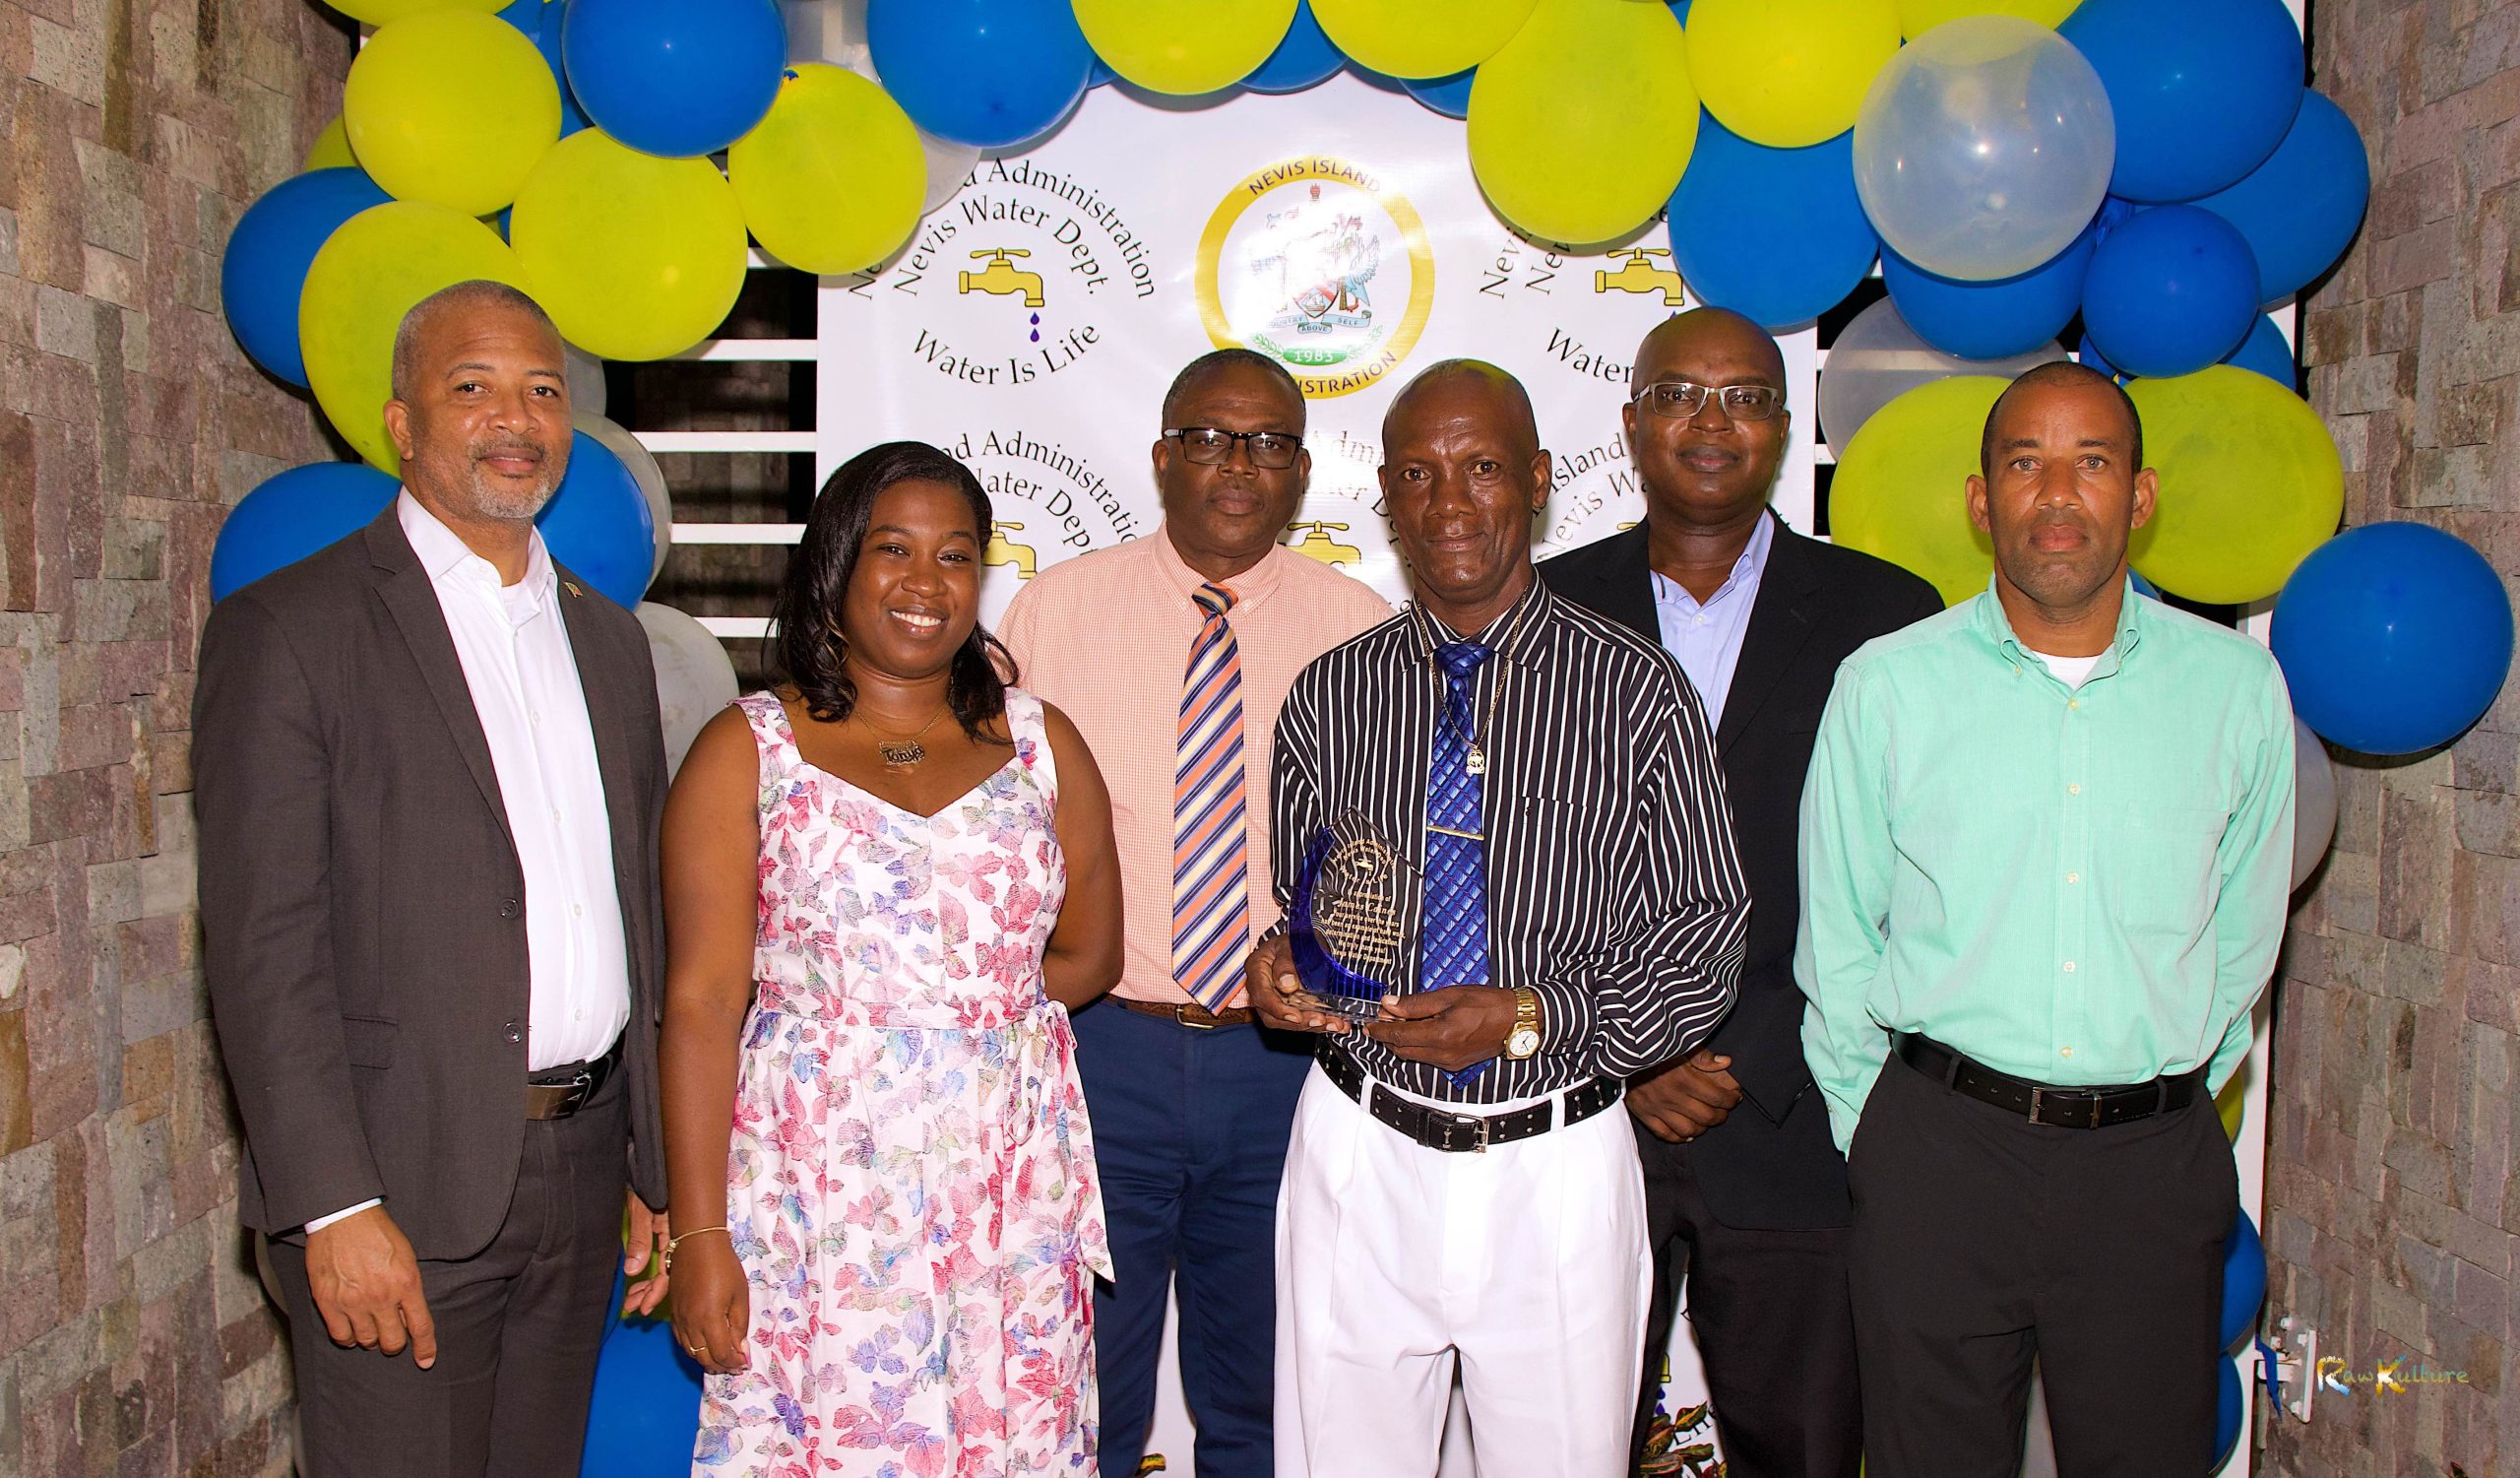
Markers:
point(643, 470)
point(1984, 148)
point(2313, 802)
point(834, 31)
point(586, 394)
point(694, 678)
point(1878, 358)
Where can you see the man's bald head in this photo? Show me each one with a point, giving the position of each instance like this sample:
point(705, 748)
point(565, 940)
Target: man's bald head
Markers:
point(1719, 330)
point(1443, 382)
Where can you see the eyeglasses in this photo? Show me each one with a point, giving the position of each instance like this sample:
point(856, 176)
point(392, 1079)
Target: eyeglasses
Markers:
point(1682, 397)
point(1210, 447)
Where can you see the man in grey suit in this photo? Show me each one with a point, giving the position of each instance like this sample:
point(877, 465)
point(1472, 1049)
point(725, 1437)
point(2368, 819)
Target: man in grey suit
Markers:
point(429, 778)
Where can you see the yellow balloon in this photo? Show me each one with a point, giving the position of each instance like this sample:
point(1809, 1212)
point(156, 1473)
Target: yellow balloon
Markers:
point(369, 274)
point(1185, 46)
point(2232, 1105)
point(1789, 73)
point(1916, 17)
point(1421, 37)
point(833, 179)
point(1554, 119)
point(332, 149)
point(451, 107)
point(635, 256)
point(379, 12)
point(2250, 482)
point(1901, 490)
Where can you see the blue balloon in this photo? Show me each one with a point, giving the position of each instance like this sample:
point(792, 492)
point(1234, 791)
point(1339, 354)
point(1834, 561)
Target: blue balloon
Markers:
point(2091, 357)
point(265, 266)
point(2227, 1396)
point(1775, 234)
point(291, 516)
point(2169, 291)
point(2266, 352)
point(2299, 209)
point(1307, 58)
point(597, 523)
point(671, 77)
point(2394, 638)
point(1100, 74)
point(1995, 320)
point(2202, 90)
point(2143, 587)
point(2243, 1281)
point(541, 20)
point(1448, 96)
point(988, 74)
point(645, 1415)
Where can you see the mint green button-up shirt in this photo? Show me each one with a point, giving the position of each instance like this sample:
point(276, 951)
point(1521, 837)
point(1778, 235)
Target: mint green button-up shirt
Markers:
point(2078, 886)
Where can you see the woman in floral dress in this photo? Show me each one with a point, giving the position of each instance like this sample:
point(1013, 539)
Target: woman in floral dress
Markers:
point(887, 881)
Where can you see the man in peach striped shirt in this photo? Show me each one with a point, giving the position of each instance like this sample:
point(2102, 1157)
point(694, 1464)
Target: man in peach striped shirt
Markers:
point(1172, 654)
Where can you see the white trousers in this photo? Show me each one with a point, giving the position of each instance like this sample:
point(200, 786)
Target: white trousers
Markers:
point(1527, 1264)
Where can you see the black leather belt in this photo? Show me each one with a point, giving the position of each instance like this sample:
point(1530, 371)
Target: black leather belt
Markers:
point(2062, 1108)
point(1453, 1134)
point(558, 1092)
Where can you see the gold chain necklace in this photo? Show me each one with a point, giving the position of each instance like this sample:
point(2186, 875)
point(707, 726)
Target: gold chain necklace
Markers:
point(1475, 760)
point(902, 753)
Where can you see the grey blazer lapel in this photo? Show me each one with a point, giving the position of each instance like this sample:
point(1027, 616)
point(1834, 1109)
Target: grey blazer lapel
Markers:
point(405, 587)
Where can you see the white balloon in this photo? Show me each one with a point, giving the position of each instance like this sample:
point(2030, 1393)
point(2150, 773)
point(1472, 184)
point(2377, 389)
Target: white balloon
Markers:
point(694, 678)
point(1878, 358)
point(2313, 802)
point(585, 380)
point(834, 31)
point(643, 470)
point(1984, 148)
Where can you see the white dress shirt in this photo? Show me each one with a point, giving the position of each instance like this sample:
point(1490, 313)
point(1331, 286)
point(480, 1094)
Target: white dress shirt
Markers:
point(1707, 637)
point(514, 647)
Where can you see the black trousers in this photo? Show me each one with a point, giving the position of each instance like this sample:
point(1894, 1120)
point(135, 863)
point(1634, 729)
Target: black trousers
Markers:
point(519, 1324)
point(1773, 1322)
point(1981, 1240)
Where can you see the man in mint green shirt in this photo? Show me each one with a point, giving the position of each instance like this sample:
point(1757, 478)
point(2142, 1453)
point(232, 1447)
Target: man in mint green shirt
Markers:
point(2046, 847)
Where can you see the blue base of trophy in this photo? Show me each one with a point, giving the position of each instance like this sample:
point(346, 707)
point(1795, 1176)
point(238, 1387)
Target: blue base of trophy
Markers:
point(1338, 988)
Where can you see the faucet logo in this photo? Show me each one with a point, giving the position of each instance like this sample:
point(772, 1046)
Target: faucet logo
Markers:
point(1004, 551)
point(1002, 277)
point(1315, 543)
point(1638, 275)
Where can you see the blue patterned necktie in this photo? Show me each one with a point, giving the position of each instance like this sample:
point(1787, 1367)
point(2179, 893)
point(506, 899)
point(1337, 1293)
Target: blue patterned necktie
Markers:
point(1455, 928)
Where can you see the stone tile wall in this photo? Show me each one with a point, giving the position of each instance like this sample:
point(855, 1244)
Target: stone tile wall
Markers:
point(133, 1336)
point(2394, 1219)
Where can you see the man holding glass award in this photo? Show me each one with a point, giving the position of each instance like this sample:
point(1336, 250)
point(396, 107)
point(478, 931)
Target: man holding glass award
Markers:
point(1510, 884)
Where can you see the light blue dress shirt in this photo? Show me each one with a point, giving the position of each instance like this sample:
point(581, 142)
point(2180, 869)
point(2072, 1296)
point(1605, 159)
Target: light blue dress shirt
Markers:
point(1707, 638)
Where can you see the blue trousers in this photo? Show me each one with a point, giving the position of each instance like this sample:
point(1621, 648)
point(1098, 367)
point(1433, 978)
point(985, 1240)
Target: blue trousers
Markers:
point(1190, 1131)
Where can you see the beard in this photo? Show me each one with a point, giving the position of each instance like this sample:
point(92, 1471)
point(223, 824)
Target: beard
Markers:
point(502, 498)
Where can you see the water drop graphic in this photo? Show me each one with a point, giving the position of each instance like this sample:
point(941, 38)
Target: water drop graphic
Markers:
point(1036, 327)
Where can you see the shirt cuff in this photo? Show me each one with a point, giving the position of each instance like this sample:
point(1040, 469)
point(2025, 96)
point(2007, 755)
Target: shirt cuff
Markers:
point(321, 1222)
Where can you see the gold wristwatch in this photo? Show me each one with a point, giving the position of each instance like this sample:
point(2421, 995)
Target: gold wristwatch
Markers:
point(1524, 1040)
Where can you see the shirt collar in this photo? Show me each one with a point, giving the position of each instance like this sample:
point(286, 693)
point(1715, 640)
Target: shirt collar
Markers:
point(1996, 627)
point(443, 554)
point(1515, 635)
point(1249, 588)
point(1747, 569)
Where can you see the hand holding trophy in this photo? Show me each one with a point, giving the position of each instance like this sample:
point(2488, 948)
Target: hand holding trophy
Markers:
point(1345, 941)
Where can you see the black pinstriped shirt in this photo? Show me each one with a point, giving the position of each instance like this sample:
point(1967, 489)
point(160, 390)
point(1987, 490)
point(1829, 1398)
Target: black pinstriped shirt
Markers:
point(1612, 888)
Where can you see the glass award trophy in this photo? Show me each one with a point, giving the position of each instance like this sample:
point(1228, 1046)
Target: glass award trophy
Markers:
point(1345, 926)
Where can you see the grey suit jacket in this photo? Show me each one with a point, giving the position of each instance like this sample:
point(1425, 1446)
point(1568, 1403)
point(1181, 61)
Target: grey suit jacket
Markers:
point(363, 906)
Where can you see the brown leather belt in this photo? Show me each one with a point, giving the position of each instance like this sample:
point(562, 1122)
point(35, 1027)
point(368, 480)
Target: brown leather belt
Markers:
point(1187, 1013)
point(1454, 1133)
point(558, 1092)
point(2058, 1107)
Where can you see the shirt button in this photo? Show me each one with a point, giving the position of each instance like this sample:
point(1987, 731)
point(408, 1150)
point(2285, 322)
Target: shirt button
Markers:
point(577, 910)
point(2069, 967)
point(2074, 790)
point(2073, 702)
point(2065, 1052)
point(2073, 878)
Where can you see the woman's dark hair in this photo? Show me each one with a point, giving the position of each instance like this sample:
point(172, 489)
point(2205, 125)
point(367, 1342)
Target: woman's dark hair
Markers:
point(811, 652)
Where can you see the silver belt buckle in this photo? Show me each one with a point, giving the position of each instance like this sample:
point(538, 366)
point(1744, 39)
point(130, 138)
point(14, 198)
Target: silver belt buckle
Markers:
point(1476, 1124)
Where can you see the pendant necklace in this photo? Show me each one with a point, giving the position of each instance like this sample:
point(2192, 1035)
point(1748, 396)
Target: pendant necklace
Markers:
point(903, 754)
point(1474, 755)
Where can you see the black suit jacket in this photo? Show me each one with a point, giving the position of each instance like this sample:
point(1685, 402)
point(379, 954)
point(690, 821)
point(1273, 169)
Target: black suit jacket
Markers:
point(363, 906)
point(1772, 1164)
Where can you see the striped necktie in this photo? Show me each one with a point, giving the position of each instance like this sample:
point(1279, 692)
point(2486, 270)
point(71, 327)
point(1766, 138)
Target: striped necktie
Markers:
point(1210, 916)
